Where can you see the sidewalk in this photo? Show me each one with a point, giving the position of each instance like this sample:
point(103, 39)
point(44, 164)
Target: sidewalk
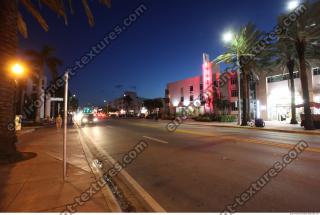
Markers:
point(36, 185)
point(275, 126)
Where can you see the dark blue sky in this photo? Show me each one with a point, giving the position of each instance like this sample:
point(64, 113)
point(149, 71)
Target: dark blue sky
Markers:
point(164, 45)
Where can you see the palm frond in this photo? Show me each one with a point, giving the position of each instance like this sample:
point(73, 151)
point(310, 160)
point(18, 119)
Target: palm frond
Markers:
point(57, 6)
point(22, 26)
point(35, 13)
point(88, 12)
point(106, 2)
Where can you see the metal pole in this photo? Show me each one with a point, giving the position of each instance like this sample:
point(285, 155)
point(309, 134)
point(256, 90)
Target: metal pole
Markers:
point(66, 77)
point(239, 94)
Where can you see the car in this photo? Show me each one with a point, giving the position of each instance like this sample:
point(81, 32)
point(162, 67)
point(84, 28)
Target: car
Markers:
point(88, 119)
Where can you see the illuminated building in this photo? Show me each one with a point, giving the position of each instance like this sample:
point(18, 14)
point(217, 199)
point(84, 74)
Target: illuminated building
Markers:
point(195, 95)
point(270, 96)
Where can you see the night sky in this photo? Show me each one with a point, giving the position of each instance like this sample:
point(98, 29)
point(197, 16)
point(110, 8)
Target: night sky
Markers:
point(165, 44)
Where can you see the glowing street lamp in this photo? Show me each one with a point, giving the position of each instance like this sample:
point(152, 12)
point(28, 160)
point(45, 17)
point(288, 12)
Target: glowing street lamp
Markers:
point(293, 5)
point(227, 37)
point(17, 69)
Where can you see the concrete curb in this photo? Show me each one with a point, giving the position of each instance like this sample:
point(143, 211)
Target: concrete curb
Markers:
point(143, 196)
point(25, 131)
point(260, 129)
point(107, 193)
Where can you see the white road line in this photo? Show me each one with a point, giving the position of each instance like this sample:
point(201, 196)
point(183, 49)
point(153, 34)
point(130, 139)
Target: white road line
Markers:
point(155, 139)
point(141, 193)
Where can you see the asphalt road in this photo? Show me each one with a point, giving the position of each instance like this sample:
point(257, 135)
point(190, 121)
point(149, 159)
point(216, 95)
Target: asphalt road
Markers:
point(203, 169)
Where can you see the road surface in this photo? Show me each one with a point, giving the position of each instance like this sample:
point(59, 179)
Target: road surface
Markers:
point(203, 169)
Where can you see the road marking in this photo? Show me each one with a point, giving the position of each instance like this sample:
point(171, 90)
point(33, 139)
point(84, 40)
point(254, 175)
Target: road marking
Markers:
point(155, 139)
point(141, 193)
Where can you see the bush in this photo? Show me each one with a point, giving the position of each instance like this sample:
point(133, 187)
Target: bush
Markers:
point(227, 118)
point(215, 118)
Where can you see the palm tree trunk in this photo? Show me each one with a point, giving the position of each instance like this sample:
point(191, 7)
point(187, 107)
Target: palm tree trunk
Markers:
point(308, 122)
point(39, 98)
point(8, 48)
point(290, 66)
point(245, 98)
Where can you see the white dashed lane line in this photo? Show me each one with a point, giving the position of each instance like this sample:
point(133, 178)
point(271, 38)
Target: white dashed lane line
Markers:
point(155, 139)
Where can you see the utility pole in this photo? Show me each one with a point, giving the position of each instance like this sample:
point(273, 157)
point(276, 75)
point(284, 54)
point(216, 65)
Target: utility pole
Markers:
point(66, 79)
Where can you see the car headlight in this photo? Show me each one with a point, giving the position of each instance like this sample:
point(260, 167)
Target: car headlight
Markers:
point(84, 120)
point(95, 119)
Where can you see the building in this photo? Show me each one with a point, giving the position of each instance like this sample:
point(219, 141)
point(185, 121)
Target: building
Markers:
point(129, 102)
point(274, 97)
point(31, 92)
point(270, 96)
point(194, 95)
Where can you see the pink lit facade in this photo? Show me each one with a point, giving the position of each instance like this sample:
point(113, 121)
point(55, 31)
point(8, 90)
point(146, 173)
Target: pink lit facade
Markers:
point(195, 95)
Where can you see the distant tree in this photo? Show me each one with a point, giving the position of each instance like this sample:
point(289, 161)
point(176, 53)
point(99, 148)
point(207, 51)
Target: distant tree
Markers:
point(127, 100)
point(73, 103)
point(152, 104)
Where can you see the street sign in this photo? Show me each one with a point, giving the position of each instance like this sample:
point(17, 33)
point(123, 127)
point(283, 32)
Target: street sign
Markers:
point(56, 99)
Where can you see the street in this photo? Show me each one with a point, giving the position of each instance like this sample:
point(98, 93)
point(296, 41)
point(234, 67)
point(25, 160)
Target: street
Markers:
point(202, 169)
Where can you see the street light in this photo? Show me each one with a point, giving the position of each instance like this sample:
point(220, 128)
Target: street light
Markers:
point(17, 70)
point(228, 37)
point(293, 5)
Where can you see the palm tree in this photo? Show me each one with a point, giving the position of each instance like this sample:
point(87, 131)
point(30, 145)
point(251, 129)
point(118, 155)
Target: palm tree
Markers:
point(11, 21)
point(42, 59)
point(305, 35)
point(281, 56)
point(237, 53)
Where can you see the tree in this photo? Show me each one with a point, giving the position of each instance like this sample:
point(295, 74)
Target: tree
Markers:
point(305, 35)
point(127, 100)
point(237, 52)
point(73, 103)
point(11, 21)
point(42, 59)
point(281, 56)
point(152, 104)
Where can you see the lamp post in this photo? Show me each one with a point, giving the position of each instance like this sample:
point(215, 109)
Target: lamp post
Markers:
point(17, 70)
point(228, 37)
point(107, 108)
point(66, 81)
